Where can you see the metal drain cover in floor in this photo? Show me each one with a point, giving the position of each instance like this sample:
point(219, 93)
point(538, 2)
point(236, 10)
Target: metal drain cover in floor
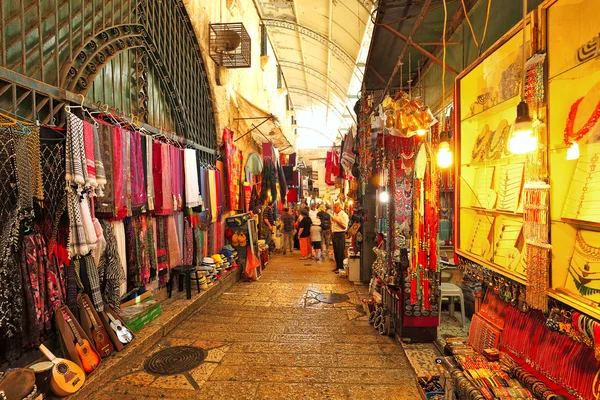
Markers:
point(175, 360)
point(332, 298)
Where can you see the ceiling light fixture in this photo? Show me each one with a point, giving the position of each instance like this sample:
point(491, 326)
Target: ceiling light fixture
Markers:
point(523, 140)
point(444, 156)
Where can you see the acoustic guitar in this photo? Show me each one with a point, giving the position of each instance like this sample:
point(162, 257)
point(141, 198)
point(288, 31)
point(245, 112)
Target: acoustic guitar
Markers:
point(88, 357)
point(67, 377)
point(101, 340)
point(123, 334)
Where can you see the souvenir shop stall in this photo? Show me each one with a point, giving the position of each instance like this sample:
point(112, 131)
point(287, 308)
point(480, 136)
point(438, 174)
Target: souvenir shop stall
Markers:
point(526, 226)
point(93, 215)
point(405, 278)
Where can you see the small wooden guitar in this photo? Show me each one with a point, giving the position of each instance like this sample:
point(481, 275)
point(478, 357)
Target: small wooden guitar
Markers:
point(67, 377)
point(123, 334)
point(88, 357)
point(101, 340)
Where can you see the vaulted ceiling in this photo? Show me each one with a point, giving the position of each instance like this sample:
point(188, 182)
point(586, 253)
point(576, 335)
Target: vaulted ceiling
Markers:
point(317, 44)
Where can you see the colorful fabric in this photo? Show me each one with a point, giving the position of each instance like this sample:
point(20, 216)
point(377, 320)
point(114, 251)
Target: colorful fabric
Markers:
point(173, 242)
point(110, 271)
point(72, 288)
point(162, 254)
point(94, 282)
point(192, 191)
point(138, 187)
point(105, 202)
point(126, 156)
point(88, 223)
point(98, 162)
point(212, 182)
point(149, 174)
point(130, 243)
point(188, 246)
point(77, 244)
point(119, 234)
point(75, 160)
point(118, 174)
point(234, 168)
point(177, 174)
point(163, 202)
point(33, 302)
point(88, 141)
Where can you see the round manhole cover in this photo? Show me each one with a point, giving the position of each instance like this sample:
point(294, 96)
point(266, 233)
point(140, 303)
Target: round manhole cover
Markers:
point(175, 360)
point(332, 298)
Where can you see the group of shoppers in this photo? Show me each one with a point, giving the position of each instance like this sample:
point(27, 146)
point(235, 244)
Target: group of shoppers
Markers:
point(316, 229)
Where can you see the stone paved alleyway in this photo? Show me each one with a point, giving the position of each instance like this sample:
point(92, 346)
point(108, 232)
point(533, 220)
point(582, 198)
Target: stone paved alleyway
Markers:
point(271, 339)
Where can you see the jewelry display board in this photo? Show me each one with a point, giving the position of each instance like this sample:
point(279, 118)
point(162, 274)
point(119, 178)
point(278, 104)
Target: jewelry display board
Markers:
point(490, 187)
point(571, 28)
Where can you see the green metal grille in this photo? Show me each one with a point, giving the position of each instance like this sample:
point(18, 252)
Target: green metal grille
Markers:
point(139, 56)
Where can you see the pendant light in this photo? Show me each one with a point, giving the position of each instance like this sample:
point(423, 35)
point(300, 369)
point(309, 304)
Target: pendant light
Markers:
point(444, 156)
point(523, 140)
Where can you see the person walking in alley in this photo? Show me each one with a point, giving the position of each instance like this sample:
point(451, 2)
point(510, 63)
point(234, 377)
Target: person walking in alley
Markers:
point(315, 238)
point(325, 218)
point(339, 224)
point(304, 234)
point(288, 230)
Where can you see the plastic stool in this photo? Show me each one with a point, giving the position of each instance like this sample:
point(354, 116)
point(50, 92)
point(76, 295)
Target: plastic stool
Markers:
point(451, 292)
point(186, 272)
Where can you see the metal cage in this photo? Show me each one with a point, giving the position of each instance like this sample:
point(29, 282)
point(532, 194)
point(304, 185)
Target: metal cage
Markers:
point(230, 45)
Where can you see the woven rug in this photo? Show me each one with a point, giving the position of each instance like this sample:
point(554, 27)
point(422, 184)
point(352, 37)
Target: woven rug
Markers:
point(451, 327)
point(422, 357)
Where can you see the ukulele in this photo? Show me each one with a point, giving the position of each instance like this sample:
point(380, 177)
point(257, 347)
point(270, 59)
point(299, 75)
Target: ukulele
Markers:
point(102, 343)
point(67, 377)
point(123, 334)
point(88, 357)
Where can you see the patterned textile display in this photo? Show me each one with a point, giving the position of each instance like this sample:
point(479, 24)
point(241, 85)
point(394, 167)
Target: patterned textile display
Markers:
point(162, 252)
point(138, 186)
point(75, 161)
point(90, 162)
point(212, 181)
point(234, 168)
point(110, 269)
point(53, 173)
point(126, 156)
point(149, 173)
point(192, 190)
point(188, 246)
point(98, 161)
point(130, 243)
point(106, 202)
point(161, 170)
point(119, 233)
point(173, 242)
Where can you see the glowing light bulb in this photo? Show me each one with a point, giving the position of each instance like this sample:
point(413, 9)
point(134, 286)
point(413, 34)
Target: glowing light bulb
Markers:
point(444, 156)
point(422, 132)
point(384, 197)
point(522, 140)
point(573, 152)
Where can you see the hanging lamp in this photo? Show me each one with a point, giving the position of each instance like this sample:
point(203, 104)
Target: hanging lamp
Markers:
point(444, 156)
point(523, 139)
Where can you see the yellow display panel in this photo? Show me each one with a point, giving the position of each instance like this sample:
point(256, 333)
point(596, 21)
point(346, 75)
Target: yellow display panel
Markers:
point(490, 225)
point(573, 42)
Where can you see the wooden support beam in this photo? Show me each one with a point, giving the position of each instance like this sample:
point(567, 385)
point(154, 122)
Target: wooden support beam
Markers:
point(373, 70)
point(408, 41)
point(420, 49)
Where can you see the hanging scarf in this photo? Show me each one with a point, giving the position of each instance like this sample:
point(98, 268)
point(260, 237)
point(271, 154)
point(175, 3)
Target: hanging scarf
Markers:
point(88, 223)
point(119, 232)
point(94, 282)
point(106, 202)
point(162, 254)
point(188, 245)
point(126, 154)
point(75, 160)
point(161, 169)
point(98, 162)
point(33, 301)
point(176, 161)
point(78, 242)
point(212, 179)
point(150, 245)
point(72, 288)
point(192, 191)
point(119, 174)
point(149, 174)
point(88, 141)
point(110, 271)
point(173, 242)
point(138, 190)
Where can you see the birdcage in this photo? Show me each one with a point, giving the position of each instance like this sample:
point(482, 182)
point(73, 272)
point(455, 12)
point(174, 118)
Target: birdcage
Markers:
point(230, 45)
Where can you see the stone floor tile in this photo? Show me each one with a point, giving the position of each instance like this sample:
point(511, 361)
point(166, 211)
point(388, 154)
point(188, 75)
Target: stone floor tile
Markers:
point(277, 391)
point(406, 391)
point(271, 339)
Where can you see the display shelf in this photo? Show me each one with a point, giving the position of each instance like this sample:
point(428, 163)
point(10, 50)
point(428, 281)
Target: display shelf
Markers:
point(492, 266)
point(590, 308)
point(502, 105)
point(491, 211)
point(501, 162)
point(591, 226)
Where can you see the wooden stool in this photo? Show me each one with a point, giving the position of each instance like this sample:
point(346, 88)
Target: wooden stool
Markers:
point(186, 272)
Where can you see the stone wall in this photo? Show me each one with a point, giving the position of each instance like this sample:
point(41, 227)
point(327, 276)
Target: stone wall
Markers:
point(258, 84)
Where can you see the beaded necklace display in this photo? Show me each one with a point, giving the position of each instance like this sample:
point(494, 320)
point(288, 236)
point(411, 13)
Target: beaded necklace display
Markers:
point(582, 189)
point(584, 265)
point(571, 137)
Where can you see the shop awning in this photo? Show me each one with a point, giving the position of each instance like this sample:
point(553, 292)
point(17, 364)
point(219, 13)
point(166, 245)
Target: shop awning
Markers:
point(263, 126)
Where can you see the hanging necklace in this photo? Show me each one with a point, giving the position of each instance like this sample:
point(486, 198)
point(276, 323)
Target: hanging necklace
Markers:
point(573, 137)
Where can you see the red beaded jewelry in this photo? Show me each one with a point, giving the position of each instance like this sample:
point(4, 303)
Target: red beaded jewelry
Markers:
point(571, 137)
